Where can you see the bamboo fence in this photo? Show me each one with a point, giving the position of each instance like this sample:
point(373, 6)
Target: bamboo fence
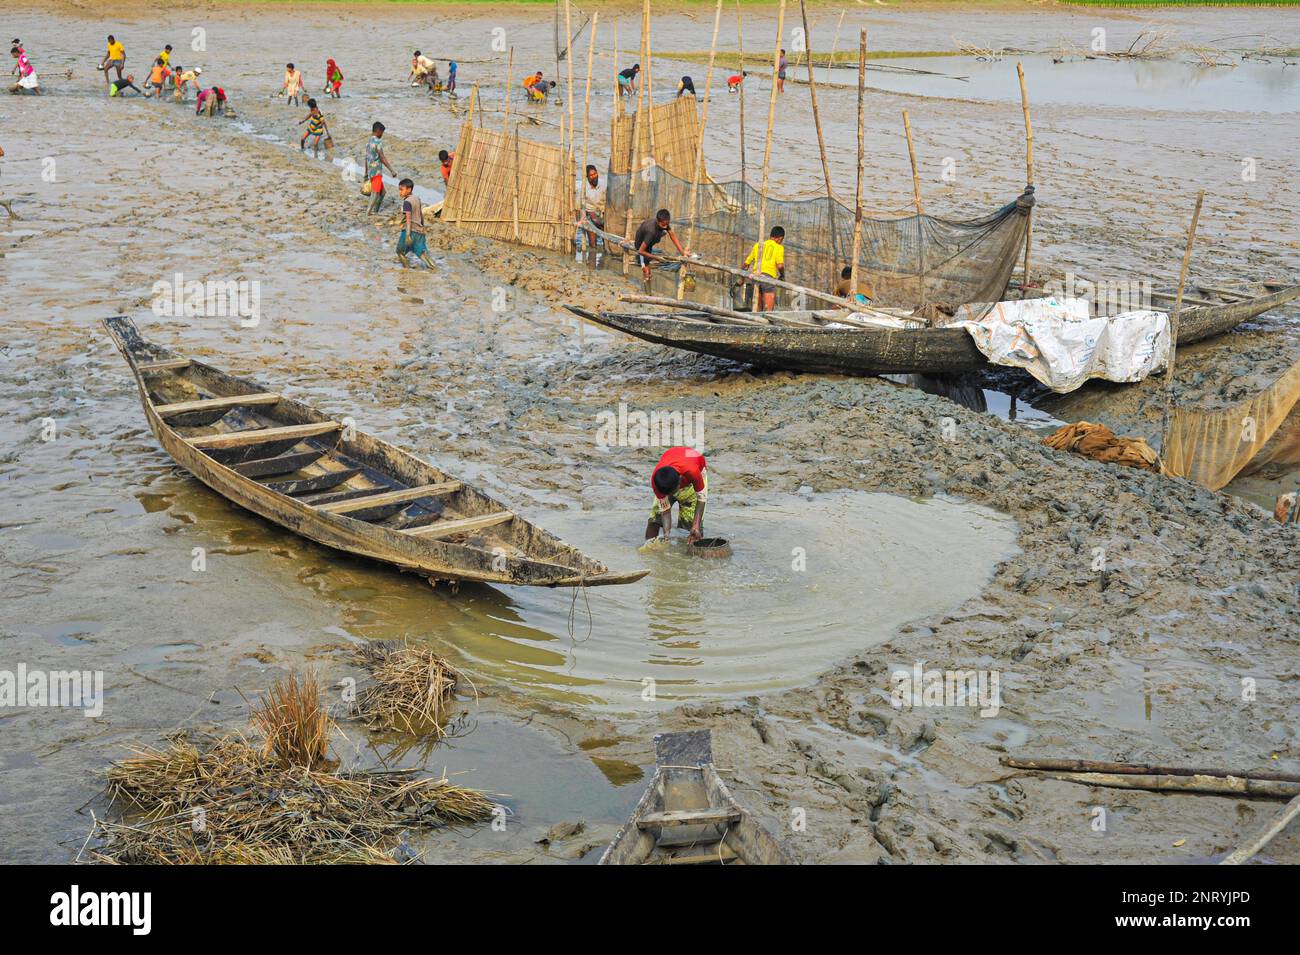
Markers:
point(510, 188)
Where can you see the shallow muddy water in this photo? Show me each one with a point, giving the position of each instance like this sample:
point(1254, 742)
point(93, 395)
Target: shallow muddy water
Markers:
point(1177, 85)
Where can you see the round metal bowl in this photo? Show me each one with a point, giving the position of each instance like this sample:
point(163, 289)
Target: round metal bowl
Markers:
point(710, 547)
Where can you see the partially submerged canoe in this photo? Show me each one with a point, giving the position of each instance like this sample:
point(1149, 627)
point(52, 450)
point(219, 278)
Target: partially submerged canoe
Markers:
point(810, 341)
point(689, 817)
point(339, 486)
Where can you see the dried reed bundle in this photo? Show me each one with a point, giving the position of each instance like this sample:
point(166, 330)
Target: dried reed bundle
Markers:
point(297, 728)
point(414, 689)
point(226, 800)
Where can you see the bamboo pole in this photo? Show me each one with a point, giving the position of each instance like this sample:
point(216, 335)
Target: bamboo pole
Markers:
point(1053, 764)
point(1173, 324)
point(834, 43)
point(586, 104)
point(767, 143)
point(699, 146)
point(715, 310)
point(1216, 785)
point(1029, 173)
point(568, 56)
point(510, 82)
point(911, 155)
point(740, 44)
point(618, 93)
point(514, 196)
point(920, 211)
point(821, 139)
point(634, 171)
point(1264, 836)
point(857, 201)
point(648, 73)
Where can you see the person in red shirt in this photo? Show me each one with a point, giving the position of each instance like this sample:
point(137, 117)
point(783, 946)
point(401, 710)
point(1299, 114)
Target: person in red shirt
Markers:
point(681, 477)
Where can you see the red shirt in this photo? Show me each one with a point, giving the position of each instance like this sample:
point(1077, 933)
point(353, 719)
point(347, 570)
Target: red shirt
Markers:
point(687, 462)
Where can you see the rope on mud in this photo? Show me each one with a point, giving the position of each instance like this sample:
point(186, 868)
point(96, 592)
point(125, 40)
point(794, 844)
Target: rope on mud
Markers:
point(573, 610)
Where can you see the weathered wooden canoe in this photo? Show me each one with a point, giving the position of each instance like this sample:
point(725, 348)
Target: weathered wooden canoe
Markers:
point(337, 486)
point(688, 817)
point(812, 346)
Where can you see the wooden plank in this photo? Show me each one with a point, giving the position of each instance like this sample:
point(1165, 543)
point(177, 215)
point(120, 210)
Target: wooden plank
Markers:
point(713, 854)
point(283, 464)
point(167, 364)
point(392, 497)
point(449, 528)
point(312, 485)
point(243, 439)
point(210, 404)
point(688, 817)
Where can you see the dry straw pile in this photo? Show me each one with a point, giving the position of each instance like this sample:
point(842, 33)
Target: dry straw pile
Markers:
point(221, 800)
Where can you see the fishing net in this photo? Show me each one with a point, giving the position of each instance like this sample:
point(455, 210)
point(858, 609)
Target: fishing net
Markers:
point(904, 261)
point(1212, 448)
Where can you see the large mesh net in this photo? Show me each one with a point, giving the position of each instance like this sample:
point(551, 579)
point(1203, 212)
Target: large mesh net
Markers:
point(907, 261)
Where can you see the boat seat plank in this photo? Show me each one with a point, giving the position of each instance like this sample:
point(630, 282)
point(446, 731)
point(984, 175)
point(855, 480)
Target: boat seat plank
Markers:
point(462, 526)
point(688, 817)
point(713, 854)
point(166, 364)
point(312, 485)
point(364, 502)
point(281, 464)
point(244, 439)
point(211, 404)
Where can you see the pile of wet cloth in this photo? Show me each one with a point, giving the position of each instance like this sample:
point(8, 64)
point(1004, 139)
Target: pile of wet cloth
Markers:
point(1098, 442)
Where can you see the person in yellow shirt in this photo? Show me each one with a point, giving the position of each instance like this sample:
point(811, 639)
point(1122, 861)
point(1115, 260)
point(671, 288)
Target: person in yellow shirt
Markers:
point(166, 55)
point(114, 59)
point(771, 262)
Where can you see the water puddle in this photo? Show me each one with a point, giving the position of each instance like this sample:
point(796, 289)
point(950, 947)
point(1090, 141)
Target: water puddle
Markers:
point(770, 617)
point(1248, 87)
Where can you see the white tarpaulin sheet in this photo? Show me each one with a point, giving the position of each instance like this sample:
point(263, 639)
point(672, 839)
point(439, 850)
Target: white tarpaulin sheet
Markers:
point(1060, 343)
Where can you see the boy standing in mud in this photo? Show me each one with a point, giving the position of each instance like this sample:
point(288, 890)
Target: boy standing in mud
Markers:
point(376, 162)
point(316, 126)
point(647, 237)
point(411, 240)
point(293, 84)
point(114, 59)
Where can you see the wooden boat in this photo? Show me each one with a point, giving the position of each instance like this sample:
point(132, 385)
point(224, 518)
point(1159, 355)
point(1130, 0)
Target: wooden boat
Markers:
point(688, 817)
point(814, 341)
point(340, 487)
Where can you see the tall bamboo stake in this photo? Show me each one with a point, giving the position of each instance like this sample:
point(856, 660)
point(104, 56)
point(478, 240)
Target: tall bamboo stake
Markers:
point(767, 144)
point(857, 202)
point(911, 155)
point(1029, 172)
point(834, 43)
point(648, 72)
point(510, 82)
point(740, 45)
point(586, 104)
point(568, 57)
point(699, 146)
point(821, 139)
point(1173, 325)
point(514, 196)
point(635, 171)
point(618, 93)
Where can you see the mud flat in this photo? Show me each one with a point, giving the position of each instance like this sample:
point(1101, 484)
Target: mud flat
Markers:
point(1122, 617)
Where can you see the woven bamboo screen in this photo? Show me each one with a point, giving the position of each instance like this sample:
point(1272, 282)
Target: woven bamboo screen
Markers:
point(505, 187)
point(676, 137)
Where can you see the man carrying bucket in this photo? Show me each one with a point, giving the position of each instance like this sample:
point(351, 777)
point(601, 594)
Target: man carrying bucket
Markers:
point(681, 477)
